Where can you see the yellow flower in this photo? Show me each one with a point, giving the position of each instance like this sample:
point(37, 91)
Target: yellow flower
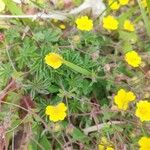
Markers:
point(144, 143)
point(144, 3)
point(105, 145)
point(2, 5)
point(110, 23)
point(143, 110)
point(123, 2)
point(123, 98)
point(62, 26)
point(133, 59)
point(102, 147)
point(54, 60)
point(57, 112)
point(84, 23)
point(114, 5)
point(109, 148)
point(128, 25)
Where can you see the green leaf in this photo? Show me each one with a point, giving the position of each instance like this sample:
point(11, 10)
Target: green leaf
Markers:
point(53, 89)
point(77, 68)
point(39, 36)
point(30, 147)
point(12, 7)
point(45, 143)
point(86, 87)
point(128, 39)
point(77, 134)
point(38, 85)
point(126, 46)
point(117, 127)
point(5, 74)
point(128, 36)
point(12, 35)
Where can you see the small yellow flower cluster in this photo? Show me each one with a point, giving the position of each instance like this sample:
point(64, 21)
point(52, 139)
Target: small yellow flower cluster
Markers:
point(111, 23)
point(54, 60)
point(56, 113)
point(144, 143)
point(84, 23)
point(105, 145)
point(2, 5)
point(123, 98)
point(114, 5)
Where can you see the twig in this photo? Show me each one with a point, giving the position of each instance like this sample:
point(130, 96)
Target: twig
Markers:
point(36, 16)
point(6, 90)
point(100, 126)
point(13, 140)
point(98, 9)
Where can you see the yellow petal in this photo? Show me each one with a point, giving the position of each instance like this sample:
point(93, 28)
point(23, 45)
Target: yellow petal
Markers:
point(130, 96)
point(62, 107)
point(49, 110)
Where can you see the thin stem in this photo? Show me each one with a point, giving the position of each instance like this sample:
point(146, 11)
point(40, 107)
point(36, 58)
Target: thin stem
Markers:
point(39, 145)
point(10, 60)
point(16, 125)
point(39, 15)
point(68, 110)
point(142, 129)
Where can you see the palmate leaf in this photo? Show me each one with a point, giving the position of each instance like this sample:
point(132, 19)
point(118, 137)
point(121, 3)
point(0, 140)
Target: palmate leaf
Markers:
point(12, 35)
point(27, 54)
point(47, 35)
point(5, 73)
point(37, 86)
point(92, 39)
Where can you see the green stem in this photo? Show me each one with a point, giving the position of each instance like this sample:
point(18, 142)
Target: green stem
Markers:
point(148, 5)
point(143, 130)
point(77, 68)
point(145, 18)
point(9, 58)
